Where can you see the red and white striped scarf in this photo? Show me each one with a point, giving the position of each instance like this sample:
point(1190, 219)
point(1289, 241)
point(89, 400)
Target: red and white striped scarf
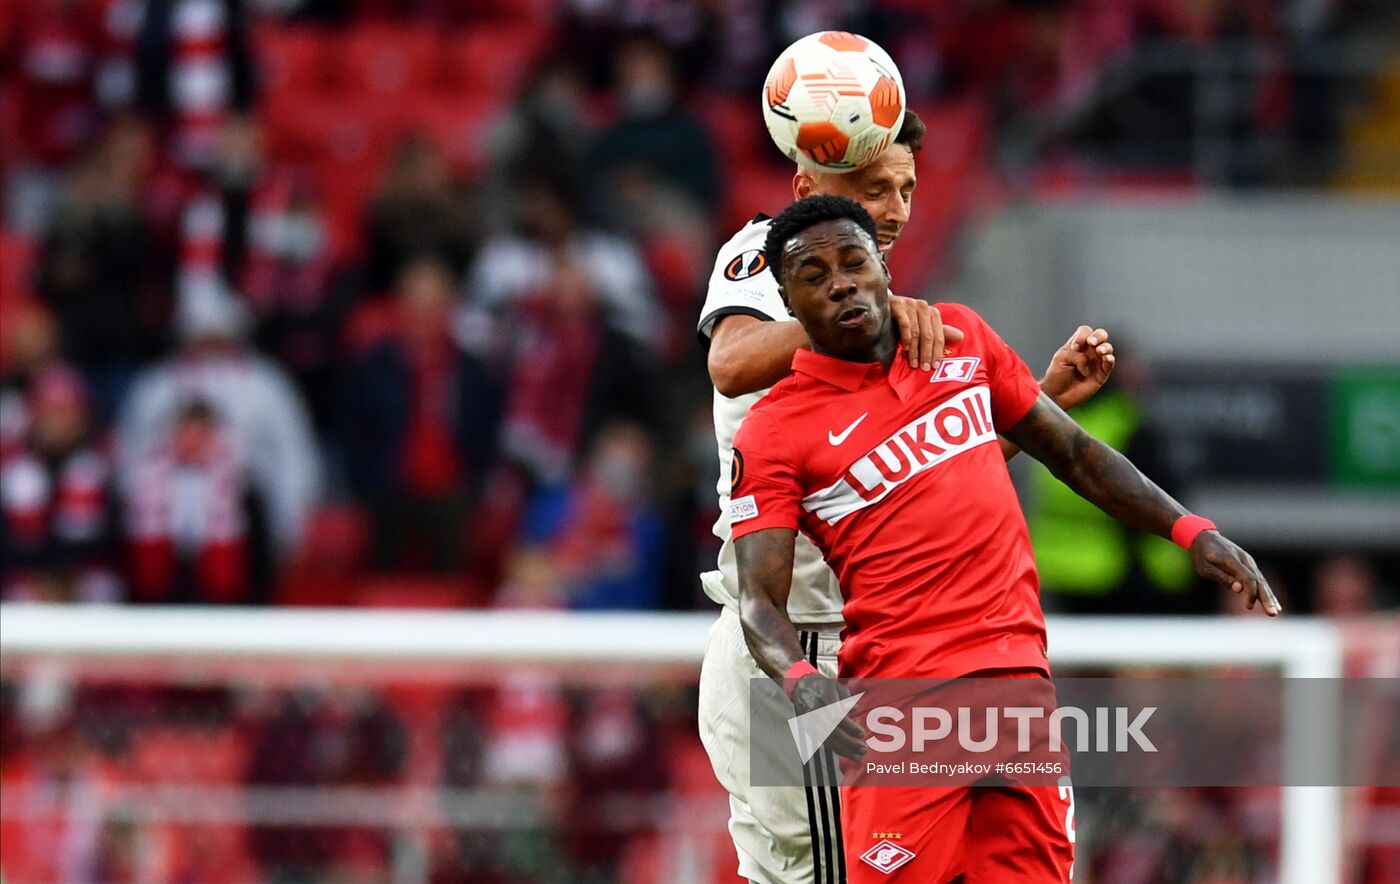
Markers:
point(201, 82)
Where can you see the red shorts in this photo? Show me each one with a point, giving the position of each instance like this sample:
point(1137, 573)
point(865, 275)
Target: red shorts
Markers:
point(989, 834)
point(996, 832)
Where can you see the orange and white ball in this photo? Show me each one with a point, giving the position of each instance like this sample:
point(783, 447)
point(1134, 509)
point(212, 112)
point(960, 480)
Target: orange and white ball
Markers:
point(833, 101)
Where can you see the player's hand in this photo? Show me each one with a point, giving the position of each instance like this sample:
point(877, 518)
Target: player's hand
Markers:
point(921, 331)
point(1217, 558)
point(815, 691)
point(1080, 368)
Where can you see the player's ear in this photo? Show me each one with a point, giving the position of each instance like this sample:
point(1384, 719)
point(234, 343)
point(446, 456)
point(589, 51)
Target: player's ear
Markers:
point(802, 184)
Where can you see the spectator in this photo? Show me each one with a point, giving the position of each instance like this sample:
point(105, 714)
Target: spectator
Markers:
point(417, 425)
point(186, 524)
point(1346, 586)
point(261, 226)
point(265, 423)
point(420, 210)
point(94, 266)
point(547, 130)
point(48, 50)
point(344, 739)
point(617, 759)
point(605, 538)
point(32, 343)
point(62, 841)
point(184, 64)
point(655, 137)
point(582, 323)
point(57, 524)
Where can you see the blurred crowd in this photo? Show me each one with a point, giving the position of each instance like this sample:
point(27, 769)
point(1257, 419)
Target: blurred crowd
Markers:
point(303, 298)
point(530, 782)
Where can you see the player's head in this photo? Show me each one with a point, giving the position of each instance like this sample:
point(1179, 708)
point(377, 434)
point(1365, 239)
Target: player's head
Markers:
point(823, 251)
point(885, 187)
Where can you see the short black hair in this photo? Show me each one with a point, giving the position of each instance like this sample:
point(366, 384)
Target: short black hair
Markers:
point(807, 213)
point(912, 132)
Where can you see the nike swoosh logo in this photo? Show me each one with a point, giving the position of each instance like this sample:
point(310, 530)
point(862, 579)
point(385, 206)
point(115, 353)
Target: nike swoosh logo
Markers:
point(837, 439)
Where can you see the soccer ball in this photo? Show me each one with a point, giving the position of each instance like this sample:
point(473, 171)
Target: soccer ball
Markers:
point(833, 101)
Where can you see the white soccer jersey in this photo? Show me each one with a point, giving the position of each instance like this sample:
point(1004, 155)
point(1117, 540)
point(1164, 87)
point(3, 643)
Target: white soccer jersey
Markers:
point(741, 284)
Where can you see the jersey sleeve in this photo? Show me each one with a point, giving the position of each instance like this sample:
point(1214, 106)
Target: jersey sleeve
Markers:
point(741, 284)
point(765, 491)
point(1014, 387)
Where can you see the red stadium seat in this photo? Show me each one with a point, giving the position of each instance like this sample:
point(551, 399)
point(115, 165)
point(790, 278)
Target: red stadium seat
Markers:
point(458, 126)
point(735, 122)
point(419, 592)
point(751, 188)
point(181, 755)
point(494, 60)
point(293, 60)
point(388, 61)
point(16, 254)
point(326, 569)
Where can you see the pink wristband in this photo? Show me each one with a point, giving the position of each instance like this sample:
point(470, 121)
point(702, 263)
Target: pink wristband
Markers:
point(1187, 527)
point(799, 669)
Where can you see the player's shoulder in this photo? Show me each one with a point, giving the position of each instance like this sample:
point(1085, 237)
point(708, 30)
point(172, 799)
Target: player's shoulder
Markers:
point(966, 320)
point(951, 310)
point(755, 231)
point(785, 402)
point(741, 257)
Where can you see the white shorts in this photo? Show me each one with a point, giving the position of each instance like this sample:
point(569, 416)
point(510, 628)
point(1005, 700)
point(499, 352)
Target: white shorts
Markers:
point(783, 835)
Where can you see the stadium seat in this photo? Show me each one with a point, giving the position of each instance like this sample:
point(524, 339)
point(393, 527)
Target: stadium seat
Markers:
point(733, 122)
point(386, 61)
point(419, 592)
point(751, 188)
point(327, 567)
point(492, 60)
point(707, 854)
point(16, 254)
point(180, 755)
point(293, 60)
point(458, 126)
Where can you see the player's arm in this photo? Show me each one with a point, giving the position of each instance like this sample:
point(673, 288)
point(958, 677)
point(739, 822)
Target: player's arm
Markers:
point(765, 580)
point(748, 354)
point(1109, 480)
point(1077, 371)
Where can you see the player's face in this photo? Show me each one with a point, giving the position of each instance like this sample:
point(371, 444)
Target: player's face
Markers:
point(885, 188)
point(836, 285)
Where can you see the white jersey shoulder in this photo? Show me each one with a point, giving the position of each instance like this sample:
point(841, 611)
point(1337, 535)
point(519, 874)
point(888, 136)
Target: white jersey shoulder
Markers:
point(741, 282)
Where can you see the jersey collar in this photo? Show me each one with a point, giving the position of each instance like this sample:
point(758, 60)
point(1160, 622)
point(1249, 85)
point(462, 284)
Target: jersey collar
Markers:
point(849, 376)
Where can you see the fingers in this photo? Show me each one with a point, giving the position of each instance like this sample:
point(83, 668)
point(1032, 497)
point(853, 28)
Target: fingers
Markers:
point(848, 739)
point(1272, 607)
point(1100, 351)
point(1076, 340)
point(1262, 592)
point(931, 333)
point(1210, 571)
point(951, 335)
point(921, 332)
point(1241, 575)
point(907, 327)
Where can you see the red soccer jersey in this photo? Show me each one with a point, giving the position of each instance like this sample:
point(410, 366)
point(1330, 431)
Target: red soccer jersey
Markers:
point(898, 478)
